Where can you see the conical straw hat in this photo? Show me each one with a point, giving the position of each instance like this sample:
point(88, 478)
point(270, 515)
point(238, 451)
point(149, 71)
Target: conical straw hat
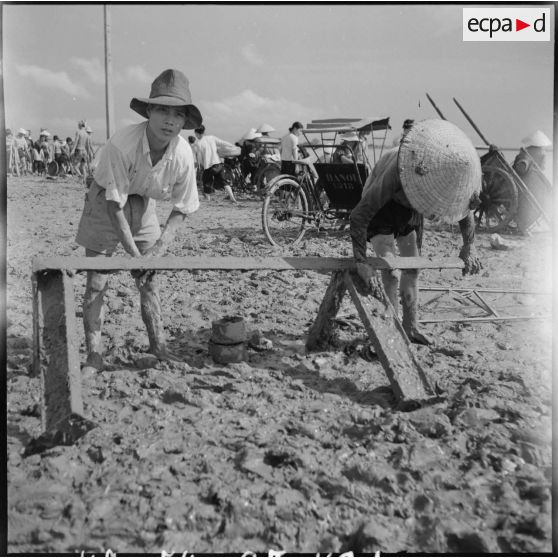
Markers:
point(262, 128)
point(250, 135)
point(439, 169)
point(537, 139)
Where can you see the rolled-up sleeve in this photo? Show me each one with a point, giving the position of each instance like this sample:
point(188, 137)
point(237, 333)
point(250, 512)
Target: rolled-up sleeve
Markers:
point(184, 194)
point(112, 172)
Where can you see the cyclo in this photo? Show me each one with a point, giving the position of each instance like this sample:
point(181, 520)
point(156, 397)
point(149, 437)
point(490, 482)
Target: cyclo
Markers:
point(324, 191)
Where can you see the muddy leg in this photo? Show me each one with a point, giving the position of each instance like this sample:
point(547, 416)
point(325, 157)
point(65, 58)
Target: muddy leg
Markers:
point(152, 316)
point(230, 193)
point(409, 291)
point(384, 245)
point(93, 315)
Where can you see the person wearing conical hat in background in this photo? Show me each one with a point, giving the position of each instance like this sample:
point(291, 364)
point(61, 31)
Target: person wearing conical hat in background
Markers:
point(138, 165)
point(249, 153)
point(265, 129)
point(531, 160)
point(345, 152)
point(435, 172)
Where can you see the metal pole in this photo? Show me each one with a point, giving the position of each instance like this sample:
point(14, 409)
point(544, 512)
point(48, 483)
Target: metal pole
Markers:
point(108, 73)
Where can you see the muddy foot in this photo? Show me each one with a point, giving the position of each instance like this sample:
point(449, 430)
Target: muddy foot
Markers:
point(94, 363)
point(415, 336)
point(163, 353)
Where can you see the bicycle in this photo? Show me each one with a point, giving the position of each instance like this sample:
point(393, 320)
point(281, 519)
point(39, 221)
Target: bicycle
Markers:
point(233, 172)
point(292, 204)
point(323, 192)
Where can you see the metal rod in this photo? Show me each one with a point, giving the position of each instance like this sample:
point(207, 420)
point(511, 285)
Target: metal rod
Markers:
point(465, 290)
point(471, 122)
point(487, 306)
point(108, 72)
point(484, 319)
point(435, 107)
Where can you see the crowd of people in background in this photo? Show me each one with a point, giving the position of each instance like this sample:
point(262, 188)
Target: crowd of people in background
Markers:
point(25, 156)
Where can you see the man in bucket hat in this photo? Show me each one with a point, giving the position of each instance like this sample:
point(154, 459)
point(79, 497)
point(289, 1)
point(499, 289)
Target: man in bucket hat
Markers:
point(435, 173)
point(139, 164)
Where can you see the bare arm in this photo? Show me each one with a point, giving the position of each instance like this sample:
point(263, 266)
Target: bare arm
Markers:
point(174, 220)
point(122, 228)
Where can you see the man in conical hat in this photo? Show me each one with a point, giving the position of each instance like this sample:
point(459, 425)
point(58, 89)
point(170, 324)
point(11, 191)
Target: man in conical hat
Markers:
point(435, 172)
point(139, 164)
point(528, 164)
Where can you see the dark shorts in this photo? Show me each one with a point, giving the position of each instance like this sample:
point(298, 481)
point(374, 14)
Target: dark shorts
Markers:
point(80, 156)
point(288, 167)
point(395, 219)
point(214, 178)
point(96, 232)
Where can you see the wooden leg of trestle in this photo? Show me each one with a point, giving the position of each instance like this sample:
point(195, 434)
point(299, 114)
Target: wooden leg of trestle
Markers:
point(56, 351)
point(408, 380)
point(321, 330)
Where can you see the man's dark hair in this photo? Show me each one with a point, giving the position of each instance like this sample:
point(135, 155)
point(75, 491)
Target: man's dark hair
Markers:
point(200, 130)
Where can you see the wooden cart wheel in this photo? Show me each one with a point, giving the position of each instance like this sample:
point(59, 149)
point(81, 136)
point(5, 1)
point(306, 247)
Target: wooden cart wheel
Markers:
point(498, 200)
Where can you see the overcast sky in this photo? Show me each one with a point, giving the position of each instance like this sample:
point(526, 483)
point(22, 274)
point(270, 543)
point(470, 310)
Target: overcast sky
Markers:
point(249, 64)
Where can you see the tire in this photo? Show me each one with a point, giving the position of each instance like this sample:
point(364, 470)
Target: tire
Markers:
point(499, 200)
point(266, 174)
point(52, 169)
point(285, 212)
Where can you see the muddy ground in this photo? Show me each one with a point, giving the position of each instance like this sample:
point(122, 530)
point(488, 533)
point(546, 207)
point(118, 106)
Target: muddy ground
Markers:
point(288, 450)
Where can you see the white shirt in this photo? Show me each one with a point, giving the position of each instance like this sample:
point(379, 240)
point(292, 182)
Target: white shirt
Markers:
point(124, 167)
point(289, 145)
point(208, 147)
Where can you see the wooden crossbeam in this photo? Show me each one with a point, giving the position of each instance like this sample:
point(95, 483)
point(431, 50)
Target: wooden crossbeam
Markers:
point(56, 355)
point(176, 263)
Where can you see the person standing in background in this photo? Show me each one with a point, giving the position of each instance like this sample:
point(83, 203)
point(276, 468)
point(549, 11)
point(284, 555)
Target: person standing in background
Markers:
point(289, 149)
point(211, 163)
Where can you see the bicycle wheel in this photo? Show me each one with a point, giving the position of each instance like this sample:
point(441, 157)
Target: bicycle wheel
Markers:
point(498, 200)
point(285, 212)
point(52, 169)
point(266, 174)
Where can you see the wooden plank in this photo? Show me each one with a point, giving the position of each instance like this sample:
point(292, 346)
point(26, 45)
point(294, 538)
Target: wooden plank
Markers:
point(121, 263)
point(320, 331)
point(57, 348)
point(408, 380)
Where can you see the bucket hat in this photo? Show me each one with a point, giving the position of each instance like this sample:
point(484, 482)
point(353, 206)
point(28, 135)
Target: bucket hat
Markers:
point(439, 169)
point(170, 88)
point(537, 139)
point(263, 128)
point(22, 131)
